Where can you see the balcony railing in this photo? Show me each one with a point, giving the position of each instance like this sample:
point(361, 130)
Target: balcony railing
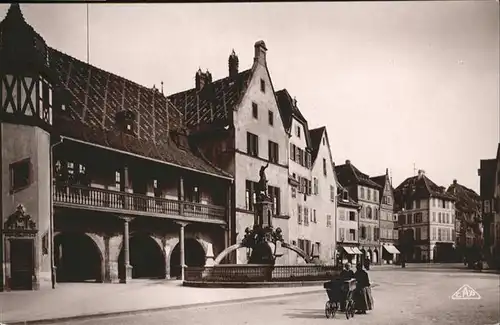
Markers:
point(101, 198)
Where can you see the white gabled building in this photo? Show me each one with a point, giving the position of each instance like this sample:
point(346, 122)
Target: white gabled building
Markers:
point(312, 185)
point(237, 125)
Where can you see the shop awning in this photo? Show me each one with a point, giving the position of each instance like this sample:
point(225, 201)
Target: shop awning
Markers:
point(348, 250)
point(357, 251)
point(391, 249)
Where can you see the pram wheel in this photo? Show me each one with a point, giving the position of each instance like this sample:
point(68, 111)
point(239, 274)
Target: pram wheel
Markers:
point(330, 309)
point(349, 309)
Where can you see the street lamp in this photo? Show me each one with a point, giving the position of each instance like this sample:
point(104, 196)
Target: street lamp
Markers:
point(402, 241)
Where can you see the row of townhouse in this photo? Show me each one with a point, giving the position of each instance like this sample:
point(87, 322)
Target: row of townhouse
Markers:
point(489, 173)
point(417, 221)
point(366, 219)
point(107, 180)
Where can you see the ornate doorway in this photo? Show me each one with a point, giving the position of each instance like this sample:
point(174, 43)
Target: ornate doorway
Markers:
point(22, 266)
point(19, 233)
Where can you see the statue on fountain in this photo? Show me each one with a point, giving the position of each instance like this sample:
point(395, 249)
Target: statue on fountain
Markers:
point(262, 187)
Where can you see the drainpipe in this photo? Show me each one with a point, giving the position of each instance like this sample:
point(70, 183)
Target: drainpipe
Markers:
point(51, 217)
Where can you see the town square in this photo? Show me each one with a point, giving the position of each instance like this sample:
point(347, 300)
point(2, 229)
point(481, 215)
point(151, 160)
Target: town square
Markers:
point(241, 163)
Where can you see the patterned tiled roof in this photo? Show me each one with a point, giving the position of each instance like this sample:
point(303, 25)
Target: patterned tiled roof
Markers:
point(214, 102)
point(348, 174)
point(92, 97)
point(467, 199)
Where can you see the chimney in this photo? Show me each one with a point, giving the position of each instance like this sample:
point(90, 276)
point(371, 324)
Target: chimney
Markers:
point(294, 101)
point(421, 173)
point(454, 182)
point(208, 77)
point(202, 79)
point(347, 162)
point(387, 171)
point(260, 52)
point(233, 63)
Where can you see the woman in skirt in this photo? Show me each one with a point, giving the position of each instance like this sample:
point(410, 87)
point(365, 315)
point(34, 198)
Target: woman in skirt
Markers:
point(363, 299)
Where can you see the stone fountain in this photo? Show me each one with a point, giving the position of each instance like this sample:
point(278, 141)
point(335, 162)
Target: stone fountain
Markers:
point(266, 244)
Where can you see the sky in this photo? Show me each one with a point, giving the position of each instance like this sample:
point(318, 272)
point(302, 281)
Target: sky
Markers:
point(399, 85)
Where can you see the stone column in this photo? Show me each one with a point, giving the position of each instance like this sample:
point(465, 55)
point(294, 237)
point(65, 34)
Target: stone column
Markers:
point(182, 250)
point(126, 251)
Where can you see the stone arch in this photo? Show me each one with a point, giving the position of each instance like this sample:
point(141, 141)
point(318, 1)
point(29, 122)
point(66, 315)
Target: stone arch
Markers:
point(195, 253)
point(146, 256)
point(78, 257)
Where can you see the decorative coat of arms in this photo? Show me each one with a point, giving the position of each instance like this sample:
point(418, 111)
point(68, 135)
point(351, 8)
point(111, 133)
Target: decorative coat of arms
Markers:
point(20, 222)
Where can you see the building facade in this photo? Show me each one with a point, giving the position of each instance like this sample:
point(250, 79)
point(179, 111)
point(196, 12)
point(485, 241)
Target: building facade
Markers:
point(99, 179)
point(365, 192)
point(311, 185)
point(301, 227)
point(388, 232)
point(347, 228)
point(236, 123)
point(426, 220)
point(324, 198)
point(469, 233)
point(487, 180)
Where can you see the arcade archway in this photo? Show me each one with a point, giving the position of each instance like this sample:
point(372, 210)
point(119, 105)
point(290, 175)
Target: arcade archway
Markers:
point(77, 258)
point(146, 258)
point(194, 255)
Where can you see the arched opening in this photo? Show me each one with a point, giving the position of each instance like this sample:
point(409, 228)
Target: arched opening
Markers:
point(77, 258)
point(375, 256)
point(146, 258)
point(194, 256)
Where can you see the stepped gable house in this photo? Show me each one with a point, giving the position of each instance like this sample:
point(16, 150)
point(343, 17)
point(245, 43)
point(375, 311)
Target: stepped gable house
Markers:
point(388, 233)
point(347, 228)
point(131, 196)
point(426, 219)
point(365, 192)
point(236, 123)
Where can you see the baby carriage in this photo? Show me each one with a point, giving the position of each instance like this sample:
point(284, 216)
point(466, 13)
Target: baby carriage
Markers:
point(340, 294)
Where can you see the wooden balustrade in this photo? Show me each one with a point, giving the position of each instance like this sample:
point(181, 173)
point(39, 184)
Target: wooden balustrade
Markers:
point(96, 197)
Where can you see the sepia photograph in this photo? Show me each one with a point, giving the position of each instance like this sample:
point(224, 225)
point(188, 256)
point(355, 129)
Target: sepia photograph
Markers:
point(241, 163)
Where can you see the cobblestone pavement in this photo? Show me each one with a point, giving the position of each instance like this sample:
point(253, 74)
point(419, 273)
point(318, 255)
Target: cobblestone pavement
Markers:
point(400, 298)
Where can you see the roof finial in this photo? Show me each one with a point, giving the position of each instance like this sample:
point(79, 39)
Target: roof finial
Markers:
point(294, 101)
point(14, 12)
point(162, 87)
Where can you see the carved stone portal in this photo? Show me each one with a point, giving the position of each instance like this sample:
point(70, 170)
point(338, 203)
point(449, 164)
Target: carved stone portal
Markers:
point(20, 224)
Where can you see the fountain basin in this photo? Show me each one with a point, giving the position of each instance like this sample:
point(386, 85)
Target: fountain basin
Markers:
point(258, 275)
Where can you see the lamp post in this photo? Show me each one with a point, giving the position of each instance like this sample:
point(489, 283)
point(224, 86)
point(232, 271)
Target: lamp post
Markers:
point(402, 240)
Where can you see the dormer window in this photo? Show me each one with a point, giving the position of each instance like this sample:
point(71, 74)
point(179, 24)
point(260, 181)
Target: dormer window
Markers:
point(344, 195)
point(125, 120)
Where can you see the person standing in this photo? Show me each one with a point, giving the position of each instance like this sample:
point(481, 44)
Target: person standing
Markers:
point(347, 273)
point(363, 299)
